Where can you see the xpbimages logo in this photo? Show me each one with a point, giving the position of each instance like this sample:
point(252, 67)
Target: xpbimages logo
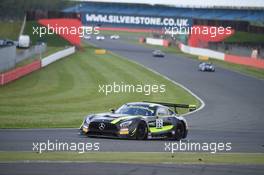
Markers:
point(146, 89)
point(81, 31)
point(56, 145)
point(212, 147)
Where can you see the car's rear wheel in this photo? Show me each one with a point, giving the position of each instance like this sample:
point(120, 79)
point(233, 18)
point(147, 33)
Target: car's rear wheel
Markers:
point(179, 131)
point(142, 131)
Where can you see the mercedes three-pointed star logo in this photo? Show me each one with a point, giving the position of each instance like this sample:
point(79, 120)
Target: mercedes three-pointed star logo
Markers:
point(101, 126)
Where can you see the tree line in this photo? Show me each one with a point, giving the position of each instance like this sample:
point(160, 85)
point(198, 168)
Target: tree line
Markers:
point(16, 9)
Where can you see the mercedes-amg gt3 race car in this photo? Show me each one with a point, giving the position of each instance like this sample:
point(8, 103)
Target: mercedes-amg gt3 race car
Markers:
point(138, 120)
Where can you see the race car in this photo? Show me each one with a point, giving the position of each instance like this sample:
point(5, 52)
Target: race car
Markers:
point(138, 120)
point(158, 53)
point(100, 37)
point(114, 37)
point(204, 66)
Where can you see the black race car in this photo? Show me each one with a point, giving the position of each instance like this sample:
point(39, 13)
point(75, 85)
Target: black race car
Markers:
point(138, 120)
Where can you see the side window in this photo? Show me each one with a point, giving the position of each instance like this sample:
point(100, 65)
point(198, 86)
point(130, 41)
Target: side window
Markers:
point(171, 112)
point(162, 111)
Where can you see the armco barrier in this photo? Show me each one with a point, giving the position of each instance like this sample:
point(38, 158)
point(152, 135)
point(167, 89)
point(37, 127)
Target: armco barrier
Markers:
point(248, 61)
point(56, 56)
point(202, 52)
point(19, 72)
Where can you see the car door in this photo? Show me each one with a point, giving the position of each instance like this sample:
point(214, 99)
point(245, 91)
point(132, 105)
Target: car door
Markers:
point(162, 122)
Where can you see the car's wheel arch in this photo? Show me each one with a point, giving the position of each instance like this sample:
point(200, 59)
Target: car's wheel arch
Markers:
point(185, 131)
point(142, 122)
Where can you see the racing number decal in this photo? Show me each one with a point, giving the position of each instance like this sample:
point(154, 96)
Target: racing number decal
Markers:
point(159, 123)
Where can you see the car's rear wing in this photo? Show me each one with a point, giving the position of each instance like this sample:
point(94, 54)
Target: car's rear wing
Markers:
point(175, 106)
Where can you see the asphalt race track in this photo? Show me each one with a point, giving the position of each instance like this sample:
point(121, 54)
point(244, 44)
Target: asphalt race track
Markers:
point(116, 169)
point(233, 113)
point(22, 140)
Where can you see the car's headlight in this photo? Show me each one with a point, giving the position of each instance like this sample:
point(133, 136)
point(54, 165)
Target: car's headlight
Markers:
point(125, 124)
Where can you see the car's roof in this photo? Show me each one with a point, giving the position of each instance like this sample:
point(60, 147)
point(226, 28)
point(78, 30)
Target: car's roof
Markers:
point(144, 103)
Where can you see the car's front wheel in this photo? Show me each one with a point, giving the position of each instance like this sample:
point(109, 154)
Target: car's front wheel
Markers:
point(179, 131)
point(142, 131)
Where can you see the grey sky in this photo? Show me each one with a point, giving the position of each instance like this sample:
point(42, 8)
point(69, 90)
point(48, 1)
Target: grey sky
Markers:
point(195, 3)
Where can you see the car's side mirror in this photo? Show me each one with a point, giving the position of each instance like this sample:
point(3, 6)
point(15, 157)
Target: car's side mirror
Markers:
point(112, 110)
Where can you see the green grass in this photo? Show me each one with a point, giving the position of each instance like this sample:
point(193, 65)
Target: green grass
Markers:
point(10, 30)
point(245, 37)
point(61, 94)
point(136, 157)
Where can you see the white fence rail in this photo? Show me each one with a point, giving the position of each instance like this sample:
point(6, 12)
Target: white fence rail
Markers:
point(154, 41)
point(56, 56)
point(202, 52)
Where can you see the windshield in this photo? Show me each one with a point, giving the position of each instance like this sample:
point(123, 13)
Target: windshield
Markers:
point(143, 110)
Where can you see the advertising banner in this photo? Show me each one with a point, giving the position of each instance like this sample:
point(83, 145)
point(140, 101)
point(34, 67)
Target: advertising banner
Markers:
point(134, 20)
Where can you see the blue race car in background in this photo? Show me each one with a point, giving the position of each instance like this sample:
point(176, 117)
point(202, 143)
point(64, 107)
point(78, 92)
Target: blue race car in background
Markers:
point(204, 66)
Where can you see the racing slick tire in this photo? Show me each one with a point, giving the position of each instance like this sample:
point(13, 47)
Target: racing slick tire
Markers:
point(179, 131)
point(142, 131)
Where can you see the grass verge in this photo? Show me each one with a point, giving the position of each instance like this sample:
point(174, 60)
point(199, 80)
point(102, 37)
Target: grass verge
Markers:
point(61, 94)
point(136, 157)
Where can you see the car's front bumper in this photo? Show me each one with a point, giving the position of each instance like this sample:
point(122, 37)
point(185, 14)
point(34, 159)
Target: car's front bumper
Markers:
point(115, 133)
